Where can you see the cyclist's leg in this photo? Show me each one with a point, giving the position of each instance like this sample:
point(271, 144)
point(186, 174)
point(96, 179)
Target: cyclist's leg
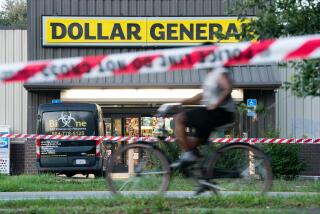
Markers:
point(194, 142)
point(188, 144)
point(180, 130)
point(182, 120)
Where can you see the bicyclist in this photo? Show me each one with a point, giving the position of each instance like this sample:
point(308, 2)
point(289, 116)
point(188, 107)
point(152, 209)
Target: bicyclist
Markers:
point(217, 109)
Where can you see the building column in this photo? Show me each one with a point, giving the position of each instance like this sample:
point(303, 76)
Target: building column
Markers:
point(30, 157)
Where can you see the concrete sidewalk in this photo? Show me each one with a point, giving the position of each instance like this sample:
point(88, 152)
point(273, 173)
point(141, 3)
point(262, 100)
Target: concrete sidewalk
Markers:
point(107, 194)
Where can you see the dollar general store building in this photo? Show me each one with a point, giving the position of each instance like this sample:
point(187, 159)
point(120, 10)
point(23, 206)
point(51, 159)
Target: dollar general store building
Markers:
point(68, 28)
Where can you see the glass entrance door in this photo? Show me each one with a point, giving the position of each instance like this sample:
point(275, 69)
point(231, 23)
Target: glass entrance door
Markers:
point(132, 125)
point(122, 125)
point(117, 129)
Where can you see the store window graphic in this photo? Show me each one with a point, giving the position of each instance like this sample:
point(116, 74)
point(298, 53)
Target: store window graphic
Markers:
point(132, 127)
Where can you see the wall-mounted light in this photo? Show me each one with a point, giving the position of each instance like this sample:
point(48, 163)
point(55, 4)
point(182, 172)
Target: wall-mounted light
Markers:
point(237, 95)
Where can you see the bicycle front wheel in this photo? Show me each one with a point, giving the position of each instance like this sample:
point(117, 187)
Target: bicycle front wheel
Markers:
point(138, 167)
point(240, 167)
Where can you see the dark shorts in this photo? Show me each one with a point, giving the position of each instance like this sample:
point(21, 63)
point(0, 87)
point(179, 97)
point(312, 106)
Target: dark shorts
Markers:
point(204, 121)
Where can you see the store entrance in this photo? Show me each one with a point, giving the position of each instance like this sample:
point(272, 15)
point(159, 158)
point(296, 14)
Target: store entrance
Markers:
point(133, 122)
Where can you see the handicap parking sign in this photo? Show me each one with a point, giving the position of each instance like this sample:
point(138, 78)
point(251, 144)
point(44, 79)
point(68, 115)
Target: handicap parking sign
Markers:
point(252, 104)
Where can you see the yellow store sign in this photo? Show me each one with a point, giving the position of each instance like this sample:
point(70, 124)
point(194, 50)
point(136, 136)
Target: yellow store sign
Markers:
point(138, 31)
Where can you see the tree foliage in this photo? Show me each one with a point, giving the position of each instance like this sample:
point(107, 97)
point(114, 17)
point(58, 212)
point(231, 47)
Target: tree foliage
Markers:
point(14, 13)
point(281, 18)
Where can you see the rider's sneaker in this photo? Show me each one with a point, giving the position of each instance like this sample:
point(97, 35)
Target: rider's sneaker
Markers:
point(201, 189)
point(186, 159)
point(206, 185)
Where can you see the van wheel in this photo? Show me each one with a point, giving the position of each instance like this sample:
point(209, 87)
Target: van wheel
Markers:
point(69, 174)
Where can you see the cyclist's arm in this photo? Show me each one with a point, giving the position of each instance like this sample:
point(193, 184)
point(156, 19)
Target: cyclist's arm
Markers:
point(193, 100)
point(226, 87)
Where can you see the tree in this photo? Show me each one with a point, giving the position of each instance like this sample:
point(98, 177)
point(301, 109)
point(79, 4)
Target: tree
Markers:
point(281, 18)
point(242, 110)
point(261, 111)
point(14, 13)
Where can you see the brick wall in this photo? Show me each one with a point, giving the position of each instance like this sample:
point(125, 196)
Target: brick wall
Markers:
point(23, 157)
point(30, 157)
point(310, 154)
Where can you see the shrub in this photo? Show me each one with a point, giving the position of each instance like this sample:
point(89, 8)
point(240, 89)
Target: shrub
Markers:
point(285, 157)
point(172, 150)
point(285, 160)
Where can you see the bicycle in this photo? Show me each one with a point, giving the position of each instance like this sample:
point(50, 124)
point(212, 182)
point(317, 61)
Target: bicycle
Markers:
point(231, 167)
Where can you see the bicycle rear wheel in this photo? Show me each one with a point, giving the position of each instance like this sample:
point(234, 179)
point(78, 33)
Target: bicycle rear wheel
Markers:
point(240, 167)
point(138, 167)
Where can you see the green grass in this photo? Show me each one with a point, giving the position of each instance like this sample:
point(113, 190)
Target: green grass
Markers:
point(157, 204)
point(295, 186)
point(47, 182)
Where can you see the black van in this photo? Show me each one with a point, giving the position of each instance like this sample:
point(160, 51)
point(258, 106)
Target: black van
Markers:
point(70, 156)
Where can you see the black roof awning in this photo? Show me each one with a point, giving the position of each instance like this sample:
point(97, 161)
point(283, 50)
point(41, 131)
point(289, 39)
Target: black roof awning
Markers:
point(262, 76)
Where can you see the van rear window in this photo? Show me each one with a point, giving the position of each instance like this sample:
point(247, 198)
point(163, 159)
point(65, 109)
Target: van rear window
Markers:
point(79, 123)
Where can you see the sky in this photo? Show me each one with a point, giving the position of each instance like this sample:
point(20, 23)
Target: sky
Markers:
point(1, 4)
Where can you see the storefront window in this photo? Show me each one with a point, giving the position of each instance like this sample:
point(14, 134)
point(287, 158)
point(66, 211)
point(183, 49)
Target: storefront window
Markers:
point(132, 127)
point(149, 125)
point(169, 125)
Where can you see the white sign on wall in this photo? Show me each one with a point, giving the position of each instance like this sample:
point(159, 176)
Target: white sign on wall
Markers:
point(4, 151)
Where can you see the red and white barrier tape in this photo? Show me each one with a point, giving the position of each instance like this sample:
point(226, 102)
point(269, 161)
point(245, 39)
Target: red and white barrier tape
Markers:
point(170, 139)
point(247, 53)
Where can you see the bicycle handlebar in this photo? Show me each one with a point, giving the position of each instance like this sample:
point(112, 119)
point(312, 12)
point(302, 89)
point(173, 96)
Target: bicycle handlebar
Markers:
point(165, 108)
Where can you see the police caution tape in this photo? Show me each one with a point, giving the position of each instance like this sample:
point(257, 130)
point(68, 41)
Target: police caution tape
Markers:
point(166, 60)
point(169, 139)
point(139, 31)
